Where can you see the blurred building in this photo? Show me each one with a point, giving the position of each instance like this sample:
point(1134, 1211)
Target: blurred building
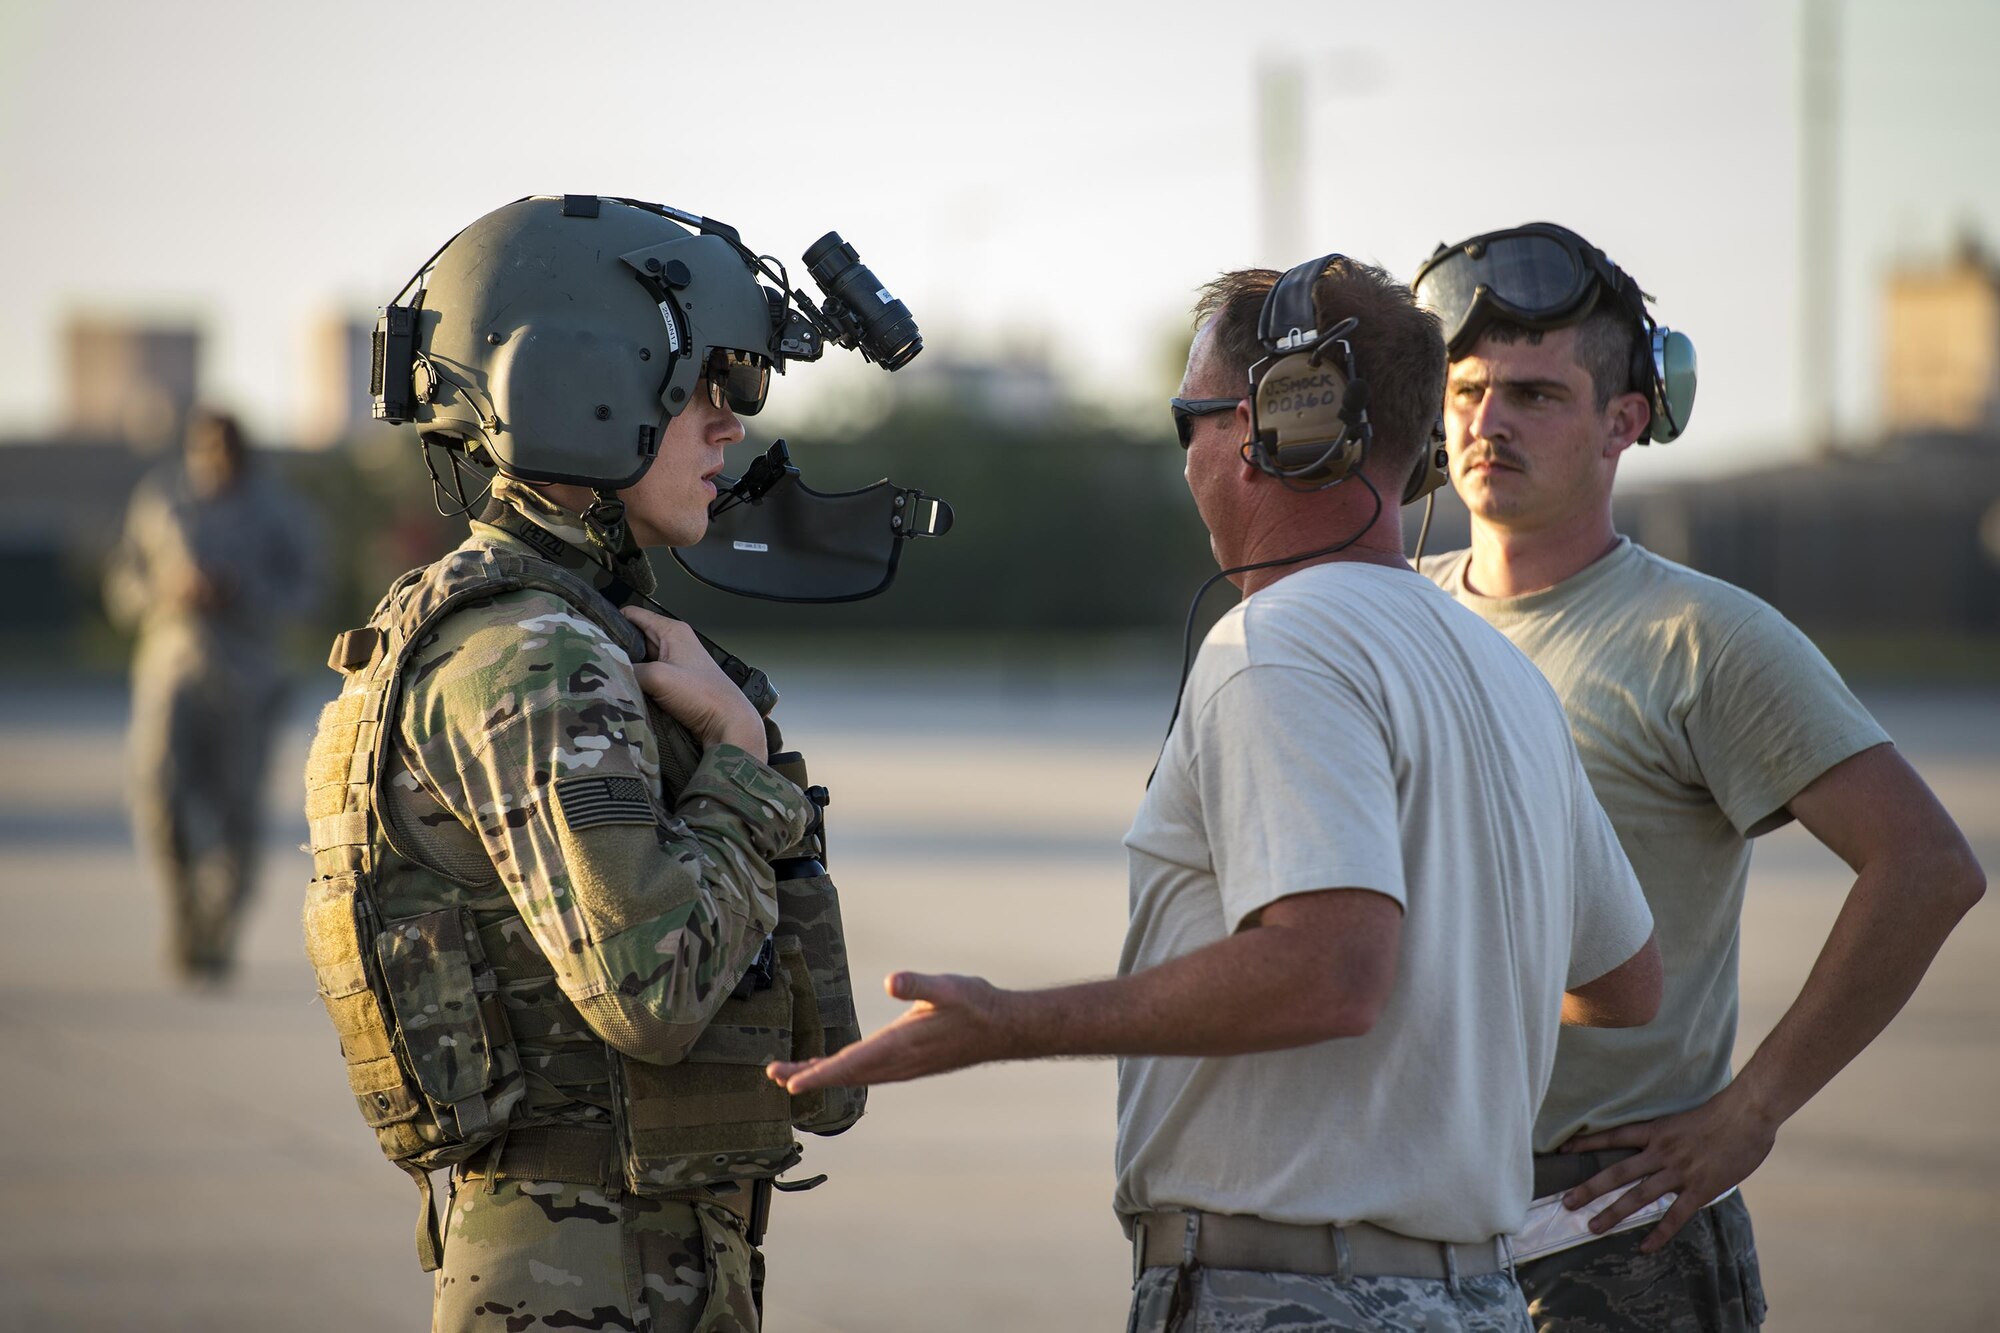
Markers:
point(1941, 344)
point(1899, 543)
point(62, 507)
point(337, 401)
point(1886, 544)
point(129, 382)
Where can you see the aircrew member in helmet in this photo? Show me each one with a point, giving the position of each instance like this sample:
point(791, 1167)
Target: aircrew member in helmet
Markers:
point(568, 896)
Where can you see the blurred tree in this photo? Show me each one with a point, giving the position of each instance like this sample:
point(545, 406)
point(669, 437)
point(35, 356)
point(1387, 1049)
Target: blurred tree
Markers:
point(1070, 529)
point(1077, 529)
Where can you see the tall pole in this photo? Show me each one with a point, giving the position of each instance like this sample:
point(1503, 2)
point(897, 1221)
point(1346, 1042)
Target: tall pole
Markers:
point(1819, 208)
point(1281, 152)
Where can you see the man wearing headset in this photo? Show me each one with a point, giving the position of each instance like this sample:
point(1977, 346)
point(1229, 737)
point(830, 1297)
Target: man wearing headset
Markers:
point(1704, 720)
point(1365, 873)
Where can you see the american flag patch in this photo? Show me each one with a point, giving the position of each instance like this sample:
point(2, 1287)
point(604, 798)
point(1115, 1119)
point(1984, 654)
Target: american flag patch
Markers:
point(588, 800)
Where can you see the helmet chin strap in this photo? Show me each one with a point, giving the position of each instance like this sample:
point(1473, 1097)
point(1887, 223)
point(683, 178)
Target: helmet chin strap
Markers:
point(619, 551)
point(604, 520)
point(632, 581)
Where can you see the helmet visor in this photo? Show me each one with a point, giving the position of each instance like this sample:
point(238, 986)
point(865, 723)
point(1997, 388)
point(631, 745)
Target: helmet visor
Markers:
point(1527, 276)
point(739, 380)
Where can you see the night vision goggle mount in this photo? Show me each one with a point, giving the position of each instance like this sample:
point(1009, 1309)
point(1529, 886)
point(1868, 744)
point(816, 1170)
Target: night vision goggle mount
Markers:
point(557, 337)
point(856, 311)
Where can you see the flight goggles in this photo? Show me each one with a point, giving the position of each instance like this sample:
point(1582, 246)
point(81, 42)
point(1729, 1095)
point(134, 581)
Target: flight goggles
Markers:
point(1539, 276)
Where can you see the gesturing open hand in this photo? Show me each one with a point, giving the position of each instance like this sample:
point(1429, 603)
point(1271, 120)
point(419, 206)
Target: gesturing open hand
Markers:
point(952, 1022)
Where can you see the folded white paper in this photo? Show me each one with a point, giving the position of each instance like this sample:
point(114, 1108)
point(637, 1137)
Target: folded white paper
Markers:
point(1551, 1228)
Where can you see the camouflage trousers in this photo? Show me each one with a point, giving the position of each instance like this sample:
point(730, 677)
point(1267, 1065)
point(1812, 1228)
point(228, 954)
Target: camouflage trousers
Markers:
point(1705, 1280)
point(528, 1255)
point(1228, 1300)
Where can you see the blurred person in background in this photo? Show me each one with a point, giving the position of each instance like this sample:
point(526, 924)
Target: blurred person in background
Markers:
point(218, 559)
point(1368, 878)
point(1704, 720)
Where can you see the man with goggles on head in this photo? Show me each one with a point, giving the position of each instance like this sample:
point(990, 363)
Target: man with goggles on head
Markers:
point(1704, 720)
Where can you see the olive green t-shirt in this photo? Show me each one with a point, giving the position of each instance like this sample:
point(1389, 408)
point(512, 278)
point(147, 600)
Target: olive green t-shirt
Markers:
point(1700, 712)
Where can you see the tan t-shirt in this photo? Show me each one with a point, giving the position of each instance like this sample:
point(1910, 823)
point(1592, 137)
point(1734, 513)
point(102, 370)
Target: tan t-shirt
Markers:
point(1700, 713)
point(1349, 727)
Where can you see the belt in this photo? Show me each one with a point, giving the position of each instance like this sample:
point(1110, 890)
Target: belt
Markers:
point(1560, 1172)
point(1550, 1227)
point(585, 1155)
point(1358, 1249)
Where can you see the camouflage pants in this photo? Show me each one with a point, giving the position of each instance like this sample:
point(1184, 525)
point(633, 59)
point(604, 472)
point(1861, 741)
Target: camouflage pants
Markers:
point(534, 1255)
point(1704, 1281)
point(1227, 1300)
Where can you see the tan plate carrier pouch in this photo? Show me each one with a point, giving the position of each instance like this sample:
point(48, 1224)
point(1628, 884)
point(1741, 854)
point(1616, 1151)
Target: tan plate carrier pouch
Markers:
point(400, 947)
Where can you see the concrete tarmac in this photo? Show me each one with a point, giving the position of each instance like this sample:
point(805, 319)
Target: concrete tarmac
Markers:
point(178, 1160)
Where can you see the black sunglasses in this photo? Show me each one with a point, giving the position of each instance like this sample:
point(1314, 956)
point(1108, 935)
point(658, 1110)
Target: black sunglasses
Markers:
point(1185, 410)
point(738, 379)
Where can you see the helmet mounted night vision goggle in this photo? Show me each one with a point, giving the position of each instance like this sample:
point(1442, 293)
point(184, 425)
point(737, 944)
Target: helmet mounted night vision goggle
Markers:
point(556, 337)
point(1541, 276)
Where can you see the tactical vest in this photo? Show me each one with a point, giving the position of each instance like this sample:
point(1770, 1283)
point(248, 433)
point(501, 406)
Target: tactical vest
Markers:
point(401, 947)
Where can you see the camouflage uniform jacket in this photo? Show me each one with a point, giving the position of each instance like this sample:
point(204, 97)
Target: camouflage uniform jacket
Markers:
point(528, 765)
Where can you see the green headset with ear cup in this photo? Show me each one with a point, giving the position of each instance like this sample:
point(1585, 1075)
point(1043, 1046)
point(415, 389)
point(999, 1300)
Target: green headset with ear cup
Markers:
point(1670, 355)
point(1309, 420)
point(1543, 276)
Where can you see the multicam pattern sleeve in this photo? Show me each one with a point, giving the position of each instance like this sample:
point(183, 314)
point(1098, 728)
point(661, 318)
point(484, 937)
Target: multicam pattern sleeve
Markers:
point(528, 723)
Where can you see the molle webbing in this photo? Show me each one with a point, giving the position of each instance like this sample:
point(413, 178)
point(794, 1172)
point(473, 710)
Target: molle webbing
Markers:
point(587, 1155)
point(566, 1154)
point(425, 1036)
point(339, 773)
point(706, 1121)
point(716, 1115)
point(809, 913)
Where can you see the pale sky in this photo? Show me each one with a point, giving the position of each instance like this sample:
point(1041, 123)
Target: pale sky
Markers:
point(1028, 173)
